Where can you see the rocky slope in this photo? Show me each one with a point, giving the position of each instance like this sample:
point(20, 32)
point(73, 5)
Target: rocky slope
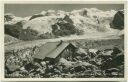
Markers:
point(9, 39)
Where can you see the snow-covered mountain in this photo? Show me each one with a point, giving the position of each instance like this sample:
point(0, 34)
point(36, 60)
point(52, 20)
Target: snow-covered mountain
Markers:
point(87, 20)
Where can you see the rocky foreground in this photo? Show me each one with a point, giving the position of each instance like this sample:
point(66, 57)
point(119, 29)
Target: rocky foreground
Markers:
point(92, 59)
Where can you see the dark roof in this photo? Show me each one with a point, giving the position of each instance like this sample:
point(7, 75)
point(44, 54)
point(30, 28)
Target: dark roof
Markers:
point(51, 49)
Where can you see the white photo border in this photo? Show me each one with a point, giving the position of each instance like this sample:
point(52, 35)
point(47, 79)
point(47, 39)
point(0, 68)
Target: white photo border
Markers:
point(61, 2)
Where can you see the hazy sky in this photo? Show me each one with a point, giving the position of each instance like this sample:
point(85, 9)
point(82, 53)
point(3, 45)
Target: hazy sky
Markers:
point(23, 10)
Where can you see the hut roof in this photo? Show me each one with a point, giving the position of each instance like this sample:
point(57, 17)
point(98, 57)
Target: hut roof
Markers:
point(51, 49)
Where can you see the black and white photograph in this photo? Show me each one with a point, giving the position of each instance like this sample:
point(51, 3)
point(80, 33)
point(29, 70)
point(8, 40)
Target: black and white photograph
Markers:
point(64, 40)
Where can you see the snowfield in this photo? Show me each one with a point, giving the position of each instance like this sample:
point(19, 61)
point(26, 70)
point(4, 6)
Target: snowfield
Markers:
point(87, 22)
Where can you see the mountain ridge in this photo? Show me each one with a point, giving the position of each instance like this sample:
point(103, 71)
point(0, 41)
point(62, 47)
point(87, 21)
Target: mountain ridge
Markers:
point(83, 21)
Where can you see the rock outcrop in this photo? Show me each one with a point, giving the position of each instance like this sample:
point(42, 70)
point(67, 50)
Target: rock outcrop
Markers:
point(35, 16)
point(118, 20)
point(64, 27)
point(8, 17)
point(13, 29)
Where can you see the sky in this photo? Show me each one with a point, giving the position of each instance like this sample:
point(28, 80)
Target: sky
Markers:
point(23, 10)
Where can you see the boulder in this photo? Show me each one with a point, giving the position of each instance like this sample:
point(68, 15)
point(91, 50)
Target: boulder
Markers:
point(65, 62)
point(81, 51)
point(93, 51)
point(118, 20)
